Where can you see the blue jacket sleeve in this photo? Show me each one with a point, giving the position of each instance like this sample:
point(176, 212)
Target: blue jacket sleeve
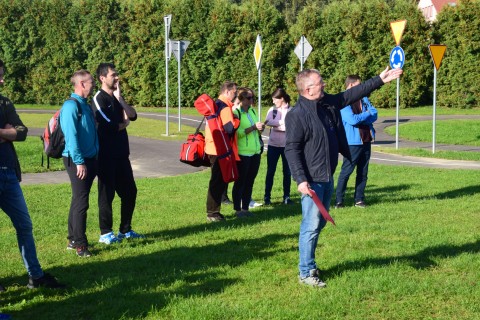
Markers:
point(69, 122)
point(371, 109)
point(353, 119)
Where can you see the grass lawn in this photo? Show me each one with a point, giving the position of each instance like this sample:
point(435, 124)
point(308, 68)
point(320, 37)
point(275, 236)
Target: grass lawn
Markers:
point(457, 131)
point(411, 254)
point(425, 111)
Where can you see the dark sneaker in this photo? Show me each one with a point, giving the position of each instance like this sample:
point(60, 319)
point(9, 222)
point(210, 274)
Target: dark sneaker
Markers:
point(2, 288)
point(70, 245)
point(215, 217)
point(313, 280)
point(360, 204)
point(243, 214)
point(46, 281)
point(287, 200)
point(83, 252)
point(227, 201)
point(339, 205)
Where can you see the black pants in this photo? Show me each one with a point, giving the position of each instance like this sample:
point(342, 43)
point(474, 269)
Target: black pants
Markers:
point(77, 217)
point(242, 188)
point(115, 175)
point(360, 159)
point(273, 154)
point(216, 187)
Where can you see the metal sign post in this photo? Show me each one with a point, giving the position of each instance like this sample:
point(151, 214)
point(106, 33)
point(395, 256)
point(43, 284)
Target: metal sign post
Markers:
point(397, 60)
point(436, 51)
point(257, 53)
point(303, 50)
point(179, 84)
point(168, 51)
point(434, 124)
point(179, 47)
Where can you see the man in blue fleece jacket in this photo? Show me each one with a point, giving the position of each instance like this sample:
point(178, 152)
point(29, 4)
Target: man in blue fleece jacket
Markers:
point(358, 119)
point(79, 157)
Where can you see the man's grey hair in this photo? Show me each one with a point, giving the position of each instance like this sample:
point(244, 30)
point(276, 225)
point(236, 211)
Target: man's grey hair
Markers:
point(303, 79)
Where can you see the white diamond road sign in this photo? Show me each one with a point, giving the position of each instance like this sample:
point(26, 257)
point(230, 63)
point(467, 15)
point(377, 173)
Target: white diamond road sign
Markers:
point(397, 58)
point(307, 49)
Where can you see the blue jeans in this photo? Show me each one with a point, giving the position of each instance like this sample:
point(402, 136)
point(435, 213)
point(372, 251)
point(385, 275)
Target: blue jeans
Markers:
point(13, 204)
point(273, 154)
point(360, 158)
point(312, 223)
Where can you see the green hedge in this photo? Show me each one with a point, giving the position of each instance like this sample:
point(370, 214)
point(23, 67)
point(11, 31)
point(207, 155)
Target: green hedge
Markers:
point(44, 41)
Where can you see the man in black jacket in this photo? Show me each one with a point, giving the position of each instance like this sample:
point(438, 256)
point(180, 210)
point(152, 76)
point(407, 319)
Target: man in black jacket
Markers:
point(315, 136)
point(12, 201)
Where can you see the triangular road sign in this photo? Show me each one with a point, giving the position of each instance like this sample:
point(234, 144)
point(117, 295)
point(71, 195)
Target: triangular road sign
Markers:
point(397, 29)
point(437, 51)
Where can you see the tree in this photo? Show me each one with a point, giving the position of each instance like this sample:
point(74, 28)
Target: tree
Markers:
point(457, 80)
point(351, 37)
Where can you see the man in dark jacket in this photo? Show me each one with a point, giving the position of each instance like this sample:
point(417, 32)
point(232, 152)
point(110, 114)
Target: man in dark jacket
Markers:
point(12, 201)
point(315, 136)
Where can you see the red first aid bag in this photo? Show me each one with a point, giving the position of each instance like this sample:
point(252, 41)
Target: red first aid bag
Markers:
point(223, 144)
point(193, 150)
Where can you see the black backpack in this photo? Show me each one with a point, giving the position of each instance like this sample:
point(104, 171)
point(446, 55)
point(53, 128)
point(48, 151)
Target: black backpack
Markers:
point(53, 138)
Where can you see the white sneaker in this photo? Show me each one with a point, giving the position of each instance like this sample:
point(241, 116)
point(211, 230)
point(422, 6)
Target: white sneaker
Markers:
point(254, 204)
point(109, 238)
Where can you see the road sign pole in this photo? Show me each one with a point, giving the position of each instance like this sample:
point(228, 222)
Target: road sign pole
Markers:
point(398, 108)
point(397, 59)
point(178, 49)
point(436, 51)
point(434, 106)
point(167, 54)
point(179, 92)
point(259, 93)
point(303, 52)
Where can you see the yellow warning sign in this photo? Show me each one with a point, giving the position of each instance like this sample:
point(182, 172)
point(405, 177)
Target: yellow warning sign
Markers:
point(437, 51)
point(397, 30)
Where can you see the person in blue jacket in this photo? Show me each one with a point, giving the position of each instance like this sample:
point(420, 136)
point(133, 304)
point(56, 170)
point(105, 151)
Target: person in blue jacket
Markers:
point(79, 157)
point(358, 119)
